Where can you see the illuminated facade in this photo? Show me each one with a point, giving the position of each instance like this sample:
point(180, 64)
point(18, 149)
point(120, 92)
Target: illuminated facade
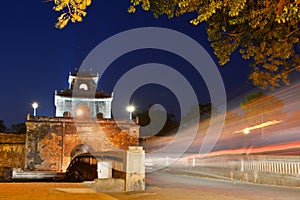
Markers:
point(82, 99)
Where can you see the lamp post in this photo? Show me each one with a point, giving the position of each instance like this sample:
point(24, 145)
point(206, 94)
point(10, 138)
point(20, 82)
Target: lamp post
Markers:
point(35, 105)
point(130, 109)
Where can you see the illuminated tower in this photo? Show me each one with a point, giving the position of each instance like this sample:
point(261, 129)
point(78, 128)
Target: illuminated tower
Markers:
point(82, 99)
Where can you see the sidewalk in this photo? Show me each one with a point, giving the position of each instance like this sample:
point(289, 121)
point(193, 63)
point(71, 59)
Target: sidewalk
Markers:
point(50, 191)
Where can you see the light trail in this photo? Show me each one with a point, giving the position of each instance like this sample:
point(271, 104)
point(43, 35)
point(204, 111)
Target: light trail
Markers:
point(253, 150)
point(275, 129)
point(265, 124)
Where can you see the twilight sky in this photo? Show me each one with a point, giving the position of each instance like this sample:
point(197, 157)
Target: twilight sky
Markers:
point(36, 58)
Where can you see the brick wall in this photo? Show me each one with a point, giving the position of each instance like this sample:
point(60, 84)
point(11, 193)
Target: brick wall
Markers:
point(12, 151)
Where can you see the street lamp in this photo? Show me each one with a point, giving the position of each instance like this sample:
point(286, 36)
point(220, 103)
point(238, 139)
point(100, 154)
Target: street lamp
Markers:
point(130, 109)
point(79, 112)
point(35, 105)
point(246, 131)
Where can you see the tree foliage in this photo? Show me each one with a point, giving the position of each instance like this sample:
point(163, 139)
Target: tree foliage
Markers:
point(2, 127)
point(19, 128)
point(168, 128)
point(266, 32)
point(73, 10)
point(204, 110)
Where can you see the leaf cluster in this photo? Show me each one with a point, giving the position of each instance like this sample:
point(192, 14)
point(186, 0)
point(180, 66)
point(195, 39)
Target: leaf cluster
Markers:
point(73, 10)
point(264, 31)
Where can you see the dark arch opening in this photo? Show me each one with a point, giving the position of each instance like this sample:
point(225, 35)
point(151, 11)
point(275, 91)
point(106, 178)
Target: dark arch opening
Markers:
point(80, 149)
point(67, 114)
point(100, 115)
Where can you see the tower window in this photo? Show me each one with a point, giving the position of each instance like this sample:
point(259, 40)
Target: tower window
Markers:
point(83, 86)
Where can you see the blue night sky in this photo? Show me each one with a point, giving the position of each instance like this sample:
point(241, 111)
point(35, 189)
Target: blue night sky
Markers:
point(36, 58)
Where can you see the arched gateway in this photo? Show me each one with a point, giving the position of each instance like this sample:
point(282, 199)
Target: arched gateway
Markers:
point(51, 142)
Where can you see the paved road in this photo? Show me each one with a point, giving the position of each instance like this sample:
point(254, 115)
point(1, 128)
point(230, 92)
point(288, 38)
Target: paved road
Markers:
point(169, 186)
point(160, 186)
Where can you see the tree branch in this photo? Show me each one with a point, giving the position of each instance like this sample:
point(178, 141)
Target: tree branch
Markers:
point(69, 8)
point(232, 34)
point(280, 7)
point(291, 33)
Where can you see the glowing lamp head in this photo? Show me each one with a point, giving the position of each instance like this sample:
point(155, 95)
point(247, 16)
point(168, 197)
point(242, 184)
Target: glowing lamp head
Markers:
point(246, 131)
point(35, 105)
point(130, 108)
point(79, 112)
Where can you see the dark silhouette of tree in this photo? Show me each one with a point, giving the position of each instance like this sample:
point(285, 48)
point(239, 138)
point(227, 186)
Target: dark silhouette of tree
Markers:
point(170, 125)
point(19, 128)
point(3, 128)
point(203, 109)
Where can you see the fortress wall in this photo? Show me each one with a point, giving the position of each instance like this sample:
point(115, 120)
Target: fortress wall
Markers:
point(52, 142)
point(12, 151)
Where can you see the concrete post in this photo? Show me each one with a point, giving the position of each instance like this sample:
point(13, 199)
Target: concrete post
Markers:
point(135, 169)
point(242, 165)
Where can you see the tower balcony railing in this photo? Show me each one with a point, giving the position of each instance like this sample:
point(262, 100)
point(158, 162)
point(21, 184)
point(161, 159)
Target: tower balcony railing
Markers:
point(82, 93)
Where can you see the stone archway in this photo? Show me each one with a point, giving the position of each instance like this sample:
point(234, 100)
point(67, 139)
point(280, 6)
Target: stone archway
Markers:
point(80, 149)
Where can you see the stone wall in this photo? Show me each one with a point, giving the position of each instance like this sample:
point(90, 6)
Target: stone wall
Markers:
point(51, 142)
point(12, 151)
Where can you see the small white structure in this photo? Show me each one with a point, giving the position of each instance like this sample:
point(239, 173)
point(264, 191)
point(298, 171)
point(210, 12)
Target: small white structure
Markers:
point(104, 169)
point(82, 99)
